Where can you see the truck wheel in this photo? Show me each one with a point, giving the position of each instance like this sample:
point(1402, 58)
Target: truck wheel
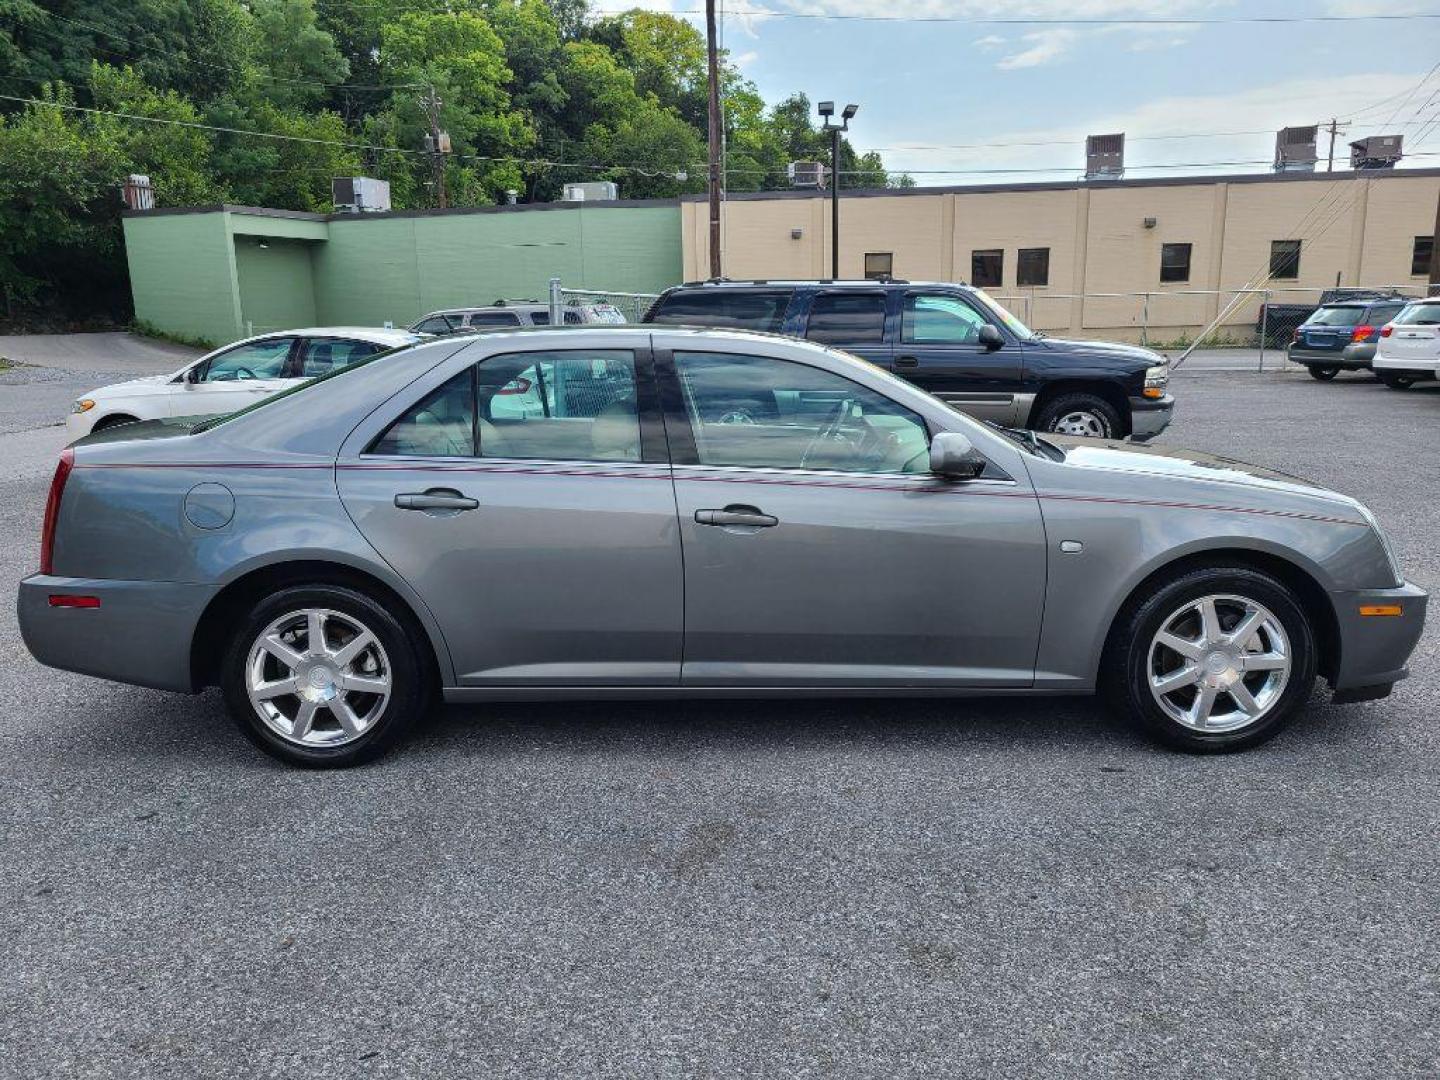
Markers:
point(1080, 414)
point(1323, 372)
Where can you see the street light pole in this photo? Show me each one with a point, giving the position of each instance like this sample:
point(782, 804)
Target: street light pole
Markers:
point(827, 111)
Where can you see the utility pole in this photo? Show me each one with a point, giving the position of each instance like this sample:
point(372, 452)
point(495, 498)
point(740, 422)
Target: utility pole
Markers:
point(716, 134)
point(1330, 159)
point(1434, 289)
point(437, 145)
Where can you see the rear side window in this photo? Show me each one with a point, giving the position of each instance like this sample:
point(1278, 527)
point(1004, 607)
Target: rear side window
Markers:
point(1381, 314)
point(1337, 316)
point(322, 355)
point(847, 319)
point(757, 310)
point(494, 318)
point(440, 324)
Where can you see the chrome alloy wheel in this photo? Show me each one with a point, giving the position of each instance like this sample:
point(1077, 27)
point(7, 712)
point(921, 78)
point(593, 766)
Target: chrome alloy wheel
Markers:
point(318, 677)
point(1219, 663)
point(1080, 422)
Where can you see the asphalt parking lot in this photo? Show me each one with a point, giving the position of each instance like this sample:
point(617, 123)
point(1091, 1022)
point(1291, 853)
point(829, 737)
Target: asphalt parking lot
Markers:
point(973, 888)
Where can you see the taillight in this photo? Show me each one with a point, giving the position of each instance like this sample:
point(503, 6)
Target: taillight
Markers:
point(1361, 333)
point(1385, 330)
point(1295, 336)
point(520, 385)
point(52, 510)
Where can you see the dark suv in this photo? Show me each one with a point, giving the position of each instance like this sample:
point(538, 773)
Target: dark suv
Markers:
point(1342, 335)
point(952, 340)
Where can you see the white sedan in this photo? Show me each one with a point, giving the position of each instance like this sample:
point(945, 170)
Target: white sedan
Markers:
point(233, 377)
point(1409, 347)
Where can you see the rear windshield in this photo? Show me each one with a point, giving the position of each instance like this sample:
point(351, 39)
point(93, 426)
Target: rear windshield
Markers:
point(1337, 316)
point(757, 310)
point(1427, 314)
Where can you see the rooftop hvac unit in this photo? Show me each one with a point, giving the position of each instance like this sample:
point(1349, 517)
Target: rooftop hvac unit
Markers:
point(806, 174)
point(1375, 152)
point(137, 193)
point(591, 191)
point(1295, 149)
point(360, 194)
point(1105, 157)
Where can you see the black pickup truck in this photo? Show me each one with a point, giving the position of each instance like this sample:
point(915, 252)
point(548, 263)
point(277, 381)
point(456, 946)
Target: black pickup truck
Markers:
point(954, 341)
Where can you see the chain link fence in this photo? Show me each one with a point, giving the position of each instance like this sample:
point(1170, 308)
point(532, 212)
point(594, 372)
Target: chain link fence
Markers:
point(632, 305)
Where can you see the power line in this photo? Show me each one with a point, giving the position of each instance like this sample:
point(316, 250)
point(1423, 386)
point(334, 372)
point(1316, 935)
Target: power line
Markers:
point(978, 20)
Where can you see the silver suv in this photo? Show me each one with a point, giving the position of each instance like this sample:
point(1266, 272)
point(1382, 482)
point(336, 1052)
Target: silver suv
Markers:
point(512, 313)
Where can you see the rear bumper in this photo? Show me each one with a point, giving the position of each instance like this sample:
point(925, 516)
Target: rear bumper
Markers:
point(1423, 368)
point(141, 633)
point(1352, 357)
point(1374, 648)
point(1148, 418)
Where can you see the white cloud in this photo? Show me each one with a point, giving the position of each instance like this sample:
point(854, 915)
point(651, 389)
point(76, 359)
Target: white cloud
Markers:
point(745, 59)
point(989, 41)
point(1044, 46)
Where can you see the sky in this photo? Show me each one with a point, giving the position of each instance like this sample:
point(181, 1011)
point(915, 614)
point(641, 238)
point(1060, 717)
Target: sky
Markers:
point(948, 101)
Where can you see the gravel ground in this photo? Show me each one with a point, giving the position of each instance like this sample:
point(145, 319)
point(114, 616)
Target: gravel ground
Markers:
point(989, 888)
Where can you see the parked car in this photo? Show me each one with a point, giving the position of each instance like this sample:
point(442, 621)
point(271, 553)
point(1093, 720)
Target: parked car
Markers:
point(1409, 348)
point(1341, 336)
point(335, 556)
point(504, 313)
point(231, 378)
point(953, 340)
point(1278, 322)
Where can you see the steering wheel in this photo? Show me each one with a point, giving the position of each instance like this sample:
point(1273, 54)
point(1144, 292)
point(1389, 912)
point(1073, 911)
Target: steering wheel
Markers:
point(832, 428)
point(245, 373)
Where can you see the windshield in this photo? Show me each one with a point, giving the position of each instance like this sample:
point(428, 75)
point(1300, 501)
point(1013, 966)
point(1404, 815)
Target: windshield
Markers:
point(1426, 314)
point(1015, 326)
point(216, 421)
point(1336, 316)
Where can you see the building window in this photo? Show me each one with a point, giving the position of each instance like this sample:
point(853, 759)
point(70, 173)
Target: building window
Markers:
point(1175, 262)
point(1420, 257)
point(1033, 267)
point(878, 265)
point(1285, 259)
point(987, 268)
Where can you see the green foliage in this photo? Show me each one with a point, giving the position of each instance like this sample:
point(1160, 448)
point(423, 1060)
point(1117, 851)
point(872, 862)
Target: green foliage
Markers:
point(533, 94)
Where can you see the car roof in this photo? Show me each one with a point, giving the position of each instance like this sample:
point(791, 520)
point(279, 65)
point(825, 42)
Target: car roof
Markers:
point(844, 283)
point(378, 334)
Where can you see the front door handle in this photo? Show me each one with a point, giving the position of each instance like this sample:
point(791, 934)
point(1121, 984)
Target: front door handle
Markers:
point(435, 499)
point(907, 361)
point(736, 514)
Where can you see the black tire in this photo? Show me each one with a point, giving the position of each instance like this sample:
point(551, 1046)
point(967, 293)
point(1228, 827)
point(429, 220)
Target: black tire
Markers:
point(113, 421)
point(410, 689)
point(1396, 380)
point(1103, 415)
point(1125, 668)
point(1323, 373)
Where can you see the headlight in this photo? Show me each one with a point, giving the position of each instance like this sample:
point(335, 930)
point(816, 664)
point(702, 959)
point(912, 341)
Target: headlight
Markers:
point(84, 404)
point(1156, 379)
point(1395, 571)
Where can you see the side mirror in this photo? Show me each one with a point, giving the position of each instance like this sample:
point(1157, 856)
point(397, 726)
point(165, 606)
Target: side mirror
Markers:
point(954, 457)
point(991, 338)
point(192, 376)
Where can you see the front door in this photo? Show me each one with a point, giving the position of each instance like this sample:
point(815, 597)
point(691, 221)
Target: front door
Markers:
point(527, 499)
point(231, 380)
point(940, 350)
point(819, 550)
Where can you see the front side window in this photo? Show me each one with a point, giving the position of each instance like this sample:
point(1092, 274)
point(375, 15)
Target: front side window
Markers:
point(878, 265)
point(987, 268)
point(847, 319)
point(760, 412)
point(938, 320)
point(1033, 267)
point(724, 307)
point(1420, 256)
point(1175, 262)
point(1285, 259)
point(256, 360)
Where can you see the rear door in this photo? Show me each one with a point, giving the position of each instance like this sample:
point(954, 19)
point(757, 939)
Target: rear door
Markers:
point(543, 540)
point(850, 319)
point(939, 349)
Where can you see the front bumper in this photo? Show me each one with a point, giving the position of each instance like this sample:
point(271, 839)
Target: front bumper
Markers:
point(1149, 418)
point(141, 633)
point(1375, 648)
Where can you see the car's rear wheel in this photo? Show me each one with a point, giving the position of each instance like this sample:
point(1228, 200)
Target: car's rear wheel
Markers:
point(1219, 659)
point(323, 676)
point(1397, 380)
point(1080, 414)
point(1323, 372)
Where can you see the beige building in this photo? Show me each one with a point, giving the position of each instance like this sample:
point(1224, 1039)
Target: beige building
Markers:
point(1158, 258)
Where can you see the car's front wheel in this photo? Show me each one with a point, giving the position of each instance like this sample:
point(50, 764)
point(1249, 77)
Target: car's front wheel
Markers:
point(1080, 414)
point(1219, 659)
point(1323, 372)
point(323, 676)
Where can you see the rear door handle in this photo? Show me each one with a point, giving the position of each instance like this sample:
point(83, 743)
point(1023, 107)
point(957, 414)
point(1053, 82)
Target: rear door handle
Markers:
point(435, 499)
point(736, 514)
point(907, 361)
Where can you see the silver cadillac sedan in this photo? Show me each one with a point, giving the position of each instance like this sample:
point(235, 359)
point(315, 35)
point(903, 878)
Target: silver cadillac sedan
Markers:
point(583, 513)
